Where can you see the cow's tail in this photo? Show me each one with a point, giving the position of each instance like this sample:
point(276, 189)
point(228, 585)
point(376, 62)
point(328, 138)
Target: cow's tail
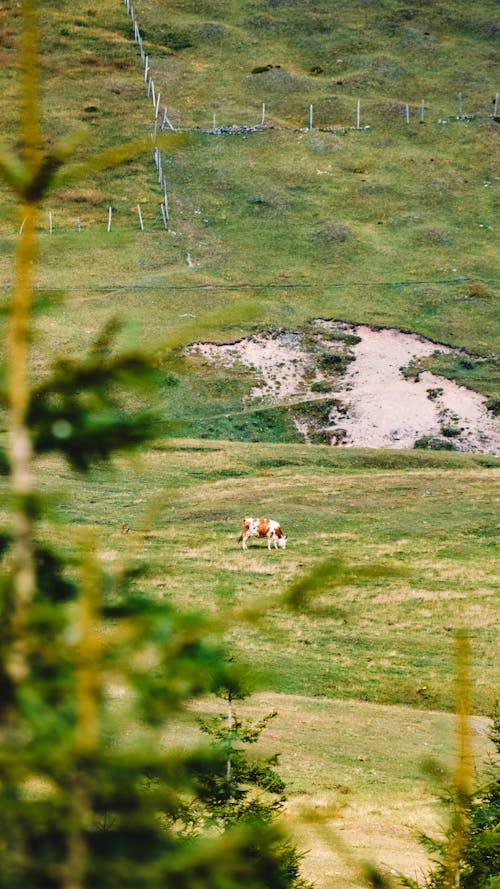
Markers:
point(240, 538)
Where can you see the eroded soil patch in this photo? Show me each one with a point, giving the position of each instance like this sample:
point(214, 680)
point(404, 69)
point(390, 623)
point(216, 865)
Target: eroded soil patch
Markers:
point(345, 385)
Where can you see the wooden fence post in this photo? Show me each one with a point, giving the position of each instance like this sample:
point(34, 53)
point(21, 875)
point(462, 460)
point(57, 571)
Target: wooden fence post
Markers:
point(263, 114)
point(78, 225)
point(140, 218)
point(310, 117)
point(50, 221)
point(460, 105)
point(422, 111)
point(407, 113)
point(495, 105)
point(110, 213)
point(358, 114)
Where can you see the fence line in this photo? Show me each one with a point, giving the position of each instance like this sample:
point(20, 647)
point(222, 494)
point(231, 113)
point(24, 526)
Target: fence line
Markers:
point(232, 129)
point(110, 217)
point(406, 107)
point(225, 130)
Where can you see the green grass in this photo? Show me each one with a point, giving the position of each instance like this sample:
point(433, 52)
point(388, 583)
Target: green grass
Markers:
point(299, 224)
point(359, 676)
point(391, 226)
point(356, 782)
point(383, 637)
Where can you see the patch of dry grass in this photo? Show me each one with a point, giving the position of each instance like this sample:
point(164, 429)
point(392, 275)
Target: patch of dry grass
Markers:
point(356, 787)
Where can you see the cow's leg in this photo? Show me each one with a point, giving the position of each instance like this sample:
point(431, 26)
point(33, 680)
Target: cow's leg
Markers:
point(269, 541)
point(244, 540)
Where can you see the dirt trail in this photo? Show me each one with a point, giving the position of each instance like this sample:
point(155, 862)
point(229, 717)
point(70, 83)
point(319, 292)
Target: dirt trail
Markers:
point(374, 404)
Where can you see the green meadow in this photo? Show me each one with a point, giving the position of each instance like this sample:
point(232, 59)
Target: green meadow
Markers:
point(392, 225)
point(362, 673)
point(419, 530)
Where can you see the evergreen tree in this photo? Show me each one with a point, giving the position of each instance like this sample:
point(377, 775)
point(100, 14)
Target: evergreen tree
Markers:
point(240, 789)
point(79, 808)
point(472, 843)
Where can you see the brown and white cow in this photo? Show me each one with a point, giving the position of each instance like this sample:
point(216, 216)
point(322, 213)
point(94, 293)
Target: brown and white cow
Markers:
point(263, 528)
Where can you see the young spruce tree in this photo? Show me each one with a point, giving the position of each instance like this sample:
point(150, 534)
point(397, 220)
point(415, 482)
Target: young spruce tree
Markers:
point(78, 807)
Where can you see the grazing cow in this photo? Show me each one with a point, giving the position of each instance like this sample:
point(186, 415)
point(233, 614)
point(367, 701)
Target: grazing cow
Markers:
point(263, 528)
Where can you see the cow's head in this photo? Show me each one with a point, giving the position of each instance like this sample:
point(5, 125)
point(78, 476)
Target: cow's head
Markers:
point(282, 541)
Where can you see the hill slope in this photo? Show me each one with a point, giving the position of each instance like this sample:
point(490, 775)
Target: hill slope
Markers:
point(391, 225)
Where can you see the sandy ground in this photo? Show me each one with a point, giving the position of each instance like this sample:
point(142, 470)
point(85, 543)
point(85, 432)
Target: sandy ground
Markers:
point(389, 411)
point(379, 408)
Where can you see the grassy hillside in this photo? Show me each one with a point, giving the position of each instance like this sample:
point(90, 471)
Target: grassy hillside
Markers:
point(358, 789)
point(294, 223)
point(412, 536)
point(391, 225)
point(359, 675)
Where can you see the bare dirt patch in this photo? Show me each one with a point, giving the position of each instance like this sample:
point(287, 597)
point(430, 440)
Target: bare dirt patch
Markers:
point(354, 374)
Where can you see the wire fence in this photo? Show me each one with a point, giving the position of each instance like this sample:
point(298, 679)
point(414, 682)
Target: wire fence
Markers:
point(163, 120)
point(405, 110)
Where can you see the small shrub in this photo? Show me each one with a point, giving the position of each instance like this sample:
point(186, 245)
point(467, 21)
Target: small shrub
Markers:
point(321, 436)
point(331, 361)
point(493, 405)
point(414, 38)
point(412, 370)
point(488, 30)
point(350, 339)
point(434, 443)
point(338, 436)
point(211, 31)
point(433, 394)
point(164, 35)
point(317, 412)
point(451, 431)
point(467, 363)
point(335, 233)
point(477, 290)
